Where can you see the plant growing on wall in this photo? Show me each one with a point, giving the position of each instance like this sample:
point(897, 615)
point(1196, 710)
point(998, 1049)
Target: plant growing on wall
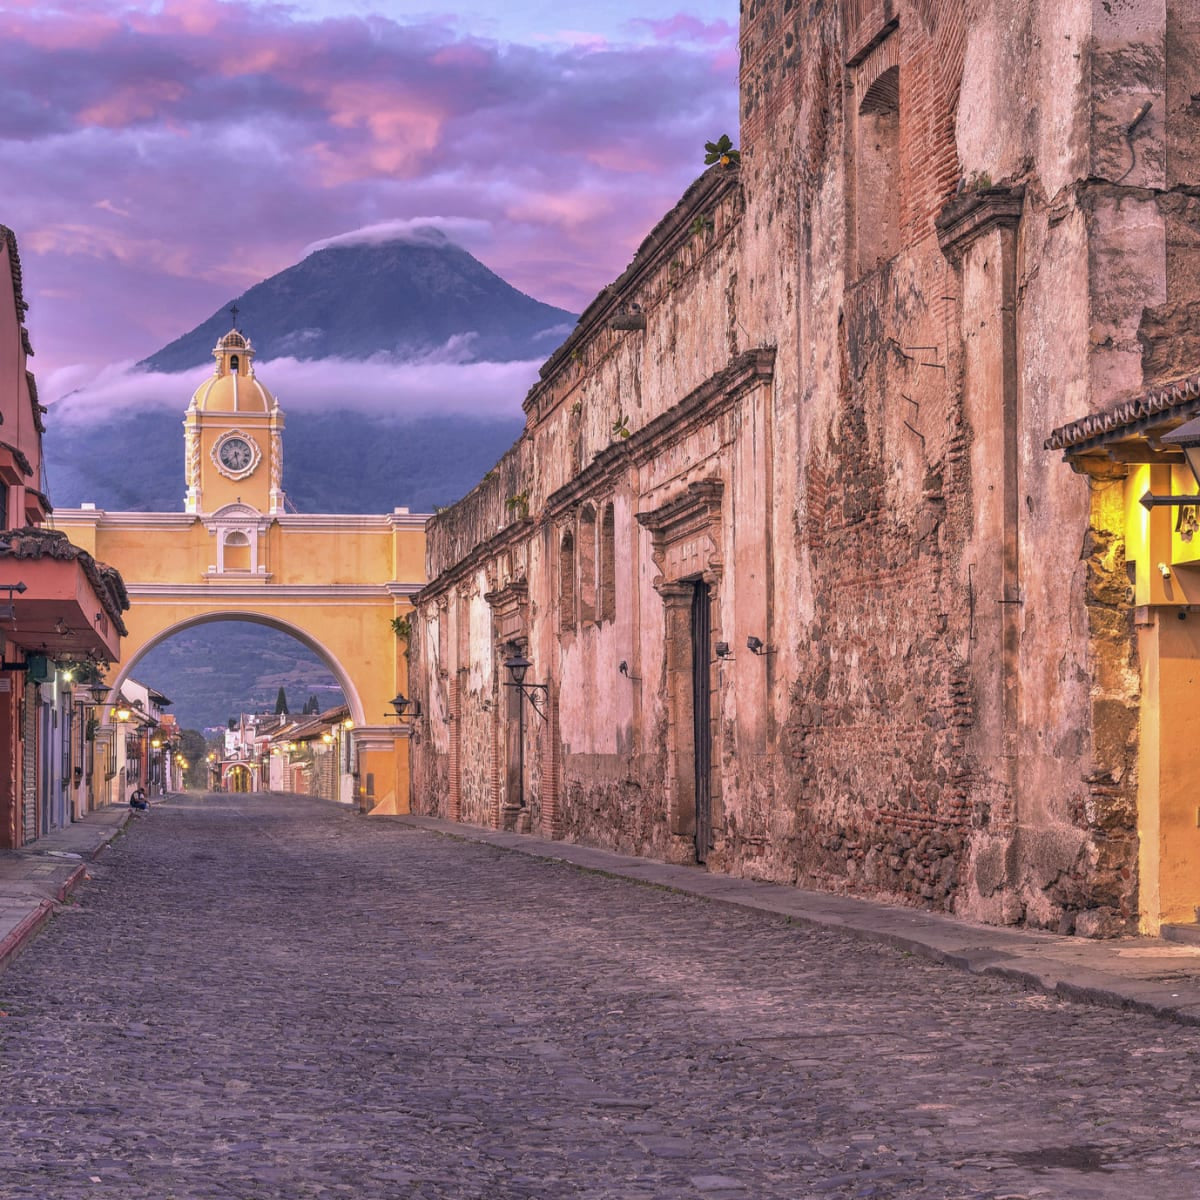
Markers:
point(402, 627)
point(721, 151)
point(518, 505)
point(620, 427)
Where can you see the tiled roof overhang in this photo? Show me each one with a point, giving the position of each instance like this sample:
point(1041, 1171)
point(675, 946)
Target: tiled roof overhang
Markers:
point(14, 466)
point(1155, 412)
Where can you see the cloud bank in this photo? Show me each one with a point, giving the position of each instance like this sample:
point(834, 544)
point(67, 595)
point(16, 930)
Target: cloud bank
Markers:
point(420, 231)
point(437, 385)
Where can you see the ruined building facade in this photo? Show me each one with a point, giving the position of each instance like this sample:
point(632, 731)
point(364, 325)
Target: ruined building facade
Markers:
point(789, 537)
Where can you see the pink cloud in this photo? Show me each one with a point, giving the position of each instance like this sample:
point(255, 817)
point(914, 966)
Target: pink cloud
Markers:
point(166, 160)
point(683, 27)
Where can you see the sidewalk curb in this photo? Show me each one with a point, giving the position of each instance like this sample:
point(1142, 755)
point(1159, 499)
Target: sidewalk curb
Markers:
point(122, 821)
point(69, 884)
point(21, 934)
point(25, 932)
point(1032, 959)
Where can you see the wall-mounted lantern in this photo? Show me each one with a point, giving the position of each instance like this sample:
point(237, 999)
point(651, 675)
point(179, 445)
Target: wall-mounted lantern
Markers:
point(401, 705)
point(517, 665)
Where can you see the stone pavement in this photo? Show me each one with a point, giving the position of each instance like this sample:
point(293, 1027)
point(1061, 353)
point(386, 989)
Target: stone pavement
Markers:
point(35, 880)
point(1145, 974)
point(271, 998)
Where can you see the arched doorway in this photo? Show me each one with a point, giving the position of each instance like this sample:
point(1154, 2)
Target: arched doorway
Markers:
point(238, 779)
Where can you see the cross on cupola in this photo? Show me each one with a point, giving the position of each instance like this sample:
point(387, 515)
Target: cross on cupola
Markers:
point(233, 312)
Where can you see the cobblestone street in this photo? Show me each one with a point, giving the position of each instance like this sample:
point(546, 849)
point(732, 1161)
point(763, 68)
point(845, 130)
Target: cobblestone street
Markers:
point(274, 998)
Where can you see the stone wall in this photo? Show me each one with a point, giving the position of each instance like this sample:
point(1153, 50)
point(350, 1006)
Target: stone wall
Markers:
point(819, 396)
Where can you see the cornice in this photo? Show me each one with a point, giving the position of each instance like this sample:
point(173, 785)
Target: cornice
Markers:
point(297, 522)
point(698, 407)
point(969, 216)
point(712, 186)
point(134, 520)
point(510, 535)
point(222, 588)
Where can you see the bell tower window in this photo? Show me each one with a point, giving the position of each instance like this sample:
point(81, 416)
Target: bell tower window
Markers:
point(237, 551)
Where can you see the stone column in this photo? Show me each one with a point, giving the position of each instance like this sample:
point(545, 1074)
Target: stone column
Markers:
point(978, 234)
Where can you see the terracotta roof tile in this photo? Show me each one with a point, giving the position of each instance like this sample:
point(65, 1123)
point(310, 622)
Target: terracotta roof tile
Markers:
point(1181, 394)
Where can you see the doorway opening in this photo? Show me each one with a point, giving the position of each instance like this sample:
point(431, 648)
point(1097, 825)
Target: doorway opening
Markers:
point(702, 714)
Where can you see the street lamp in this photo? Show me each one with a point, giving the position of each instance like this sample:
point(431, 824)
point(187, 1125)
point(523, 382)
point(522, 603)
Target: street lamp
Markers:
point(517, 665)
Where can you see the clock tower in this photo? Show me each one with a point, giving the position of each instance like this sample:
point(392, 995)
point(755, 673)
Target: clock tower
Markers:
point(233, 436)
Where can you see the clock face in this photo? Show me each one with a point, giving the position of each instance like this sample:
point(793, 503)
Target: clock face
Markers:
point(235, 453)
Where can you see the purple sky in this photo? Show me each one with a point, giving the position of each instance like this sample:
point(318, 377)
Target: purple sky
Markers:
point(157, 159)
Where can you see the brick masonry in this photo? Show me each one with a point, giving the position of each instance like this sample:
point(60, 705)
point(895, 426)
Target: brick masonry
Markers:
point(820, 392)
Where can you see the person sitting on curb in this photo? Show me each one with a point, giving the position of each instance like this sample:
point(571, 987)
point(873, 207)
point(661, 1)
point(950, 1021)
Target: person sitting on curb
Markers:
point(138, 801)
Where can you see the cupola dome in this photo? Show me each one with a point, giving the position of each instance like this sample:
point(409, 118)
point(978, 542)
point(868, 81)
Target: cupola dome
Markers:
point(232, 386)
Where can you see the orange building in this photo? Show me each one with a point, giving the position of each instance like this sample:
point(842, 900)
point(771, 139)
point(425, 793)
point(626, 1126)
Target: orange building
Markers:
point(60, 612)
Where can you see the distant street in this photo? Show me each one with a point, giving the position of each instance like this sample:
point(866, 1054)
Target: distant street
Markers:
point(267, 998)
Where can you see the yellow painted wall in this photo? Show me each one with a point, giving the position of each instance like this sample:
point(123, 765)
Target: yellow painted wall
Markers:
point(331, 587)
point(1169, 769)
point(1164, 565)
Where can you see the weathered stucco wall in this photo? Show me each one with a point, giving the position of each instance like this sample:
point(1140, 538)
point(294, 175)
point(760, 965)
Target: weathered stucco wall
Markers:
point(819, 396)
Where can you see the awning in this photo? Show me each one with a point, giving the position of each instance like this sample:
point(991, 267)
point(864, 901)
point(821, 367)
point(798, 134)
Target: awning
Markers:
point(59, 614)
point(1130, 431)
point(71, 606)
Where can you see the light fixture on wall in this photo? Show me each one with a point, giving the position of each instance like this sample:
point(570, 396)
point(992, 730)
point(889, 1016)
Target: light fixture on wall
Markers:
point(517, 665)
point(401, 705)
point(8, 612)
point(1187, 438)
point(623, 667)
point(723, 651)
point(122, 713)
point(755, 645)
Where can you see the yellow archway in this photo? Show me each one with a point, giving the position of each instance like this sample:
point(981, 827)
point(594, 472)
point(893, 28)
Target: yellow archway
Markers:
point(335, 583)
point(131, 658)
point(237, 779)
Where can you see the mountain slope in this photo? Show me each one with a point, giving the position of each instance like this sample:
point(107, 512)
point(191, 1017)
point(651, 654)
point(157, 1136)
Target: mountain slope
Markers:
point(405, 299)
point(349, 303)
point(345, 462)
